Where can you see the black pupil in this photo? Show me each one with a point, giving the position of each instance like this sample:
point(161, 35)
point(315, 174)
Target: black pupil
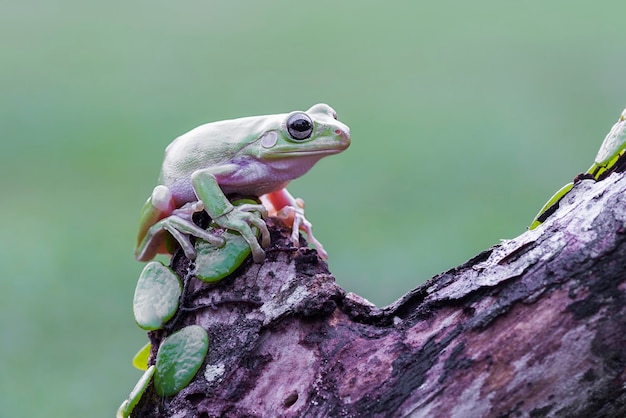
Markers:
point(301, 125)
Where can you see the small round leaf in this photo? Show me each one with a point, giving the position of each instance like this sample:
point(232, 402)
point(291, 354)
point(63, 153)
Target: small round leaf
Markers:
point(156, 296)
point(179, 359)
point(213, 263)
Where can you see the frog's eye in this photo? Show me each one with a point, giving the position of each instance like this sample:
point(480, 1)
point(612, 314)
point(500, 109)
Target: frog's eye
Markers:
point(299, 126)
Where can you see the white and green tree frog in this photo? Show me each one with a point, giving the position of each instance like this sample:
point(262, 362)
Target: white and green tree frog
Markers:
point(612, 149)
point(250, 157)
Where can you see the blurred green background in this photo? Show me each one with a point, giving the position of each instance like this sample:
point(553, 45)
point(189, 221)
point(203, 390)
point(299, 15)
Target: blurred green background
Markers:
point(465, 117)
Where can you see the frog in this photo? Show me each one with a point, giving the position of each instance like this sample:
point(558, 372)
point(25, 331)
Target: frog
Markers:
point(612, 149)
point(254, 157)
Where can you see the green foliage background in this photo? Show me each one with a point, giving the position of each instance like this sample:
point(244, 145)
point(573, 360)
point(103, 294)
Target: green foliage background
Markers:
point(465, 117)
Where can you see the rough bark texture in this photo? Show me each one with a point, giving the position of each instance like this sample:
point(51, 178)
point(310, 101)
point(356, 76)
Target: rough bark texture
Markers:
point(534, 326)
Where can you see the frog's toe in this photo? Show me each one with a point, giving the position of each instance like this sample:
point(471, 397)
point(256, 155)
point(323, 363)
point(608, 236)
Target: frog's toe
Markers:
point(263, 230)
point(258, 255)
point(252, 207)
point(183, 241)
point(245, 230)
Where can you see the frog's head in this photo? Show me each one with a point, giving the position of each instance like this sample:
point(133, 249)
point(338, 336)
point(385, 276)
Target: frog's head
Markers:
point(314, 133)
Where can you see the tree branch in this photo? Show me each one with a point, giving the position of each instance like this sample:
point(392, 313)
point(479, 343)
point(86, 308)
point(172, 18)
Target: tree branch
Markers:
point(534, 326)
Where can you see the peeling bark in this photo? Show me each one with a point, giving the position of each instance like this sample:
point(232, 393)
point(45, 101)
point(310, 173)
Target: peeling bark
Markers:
point(534, 326)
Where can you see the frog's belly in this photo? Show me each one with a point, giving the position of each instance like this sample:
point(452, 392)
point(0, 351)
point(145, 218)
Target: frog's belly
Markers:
point(249, 177)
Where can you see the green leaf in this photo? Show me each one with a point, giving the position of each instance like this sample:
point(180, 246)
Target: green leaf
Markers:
point(551, 205)
point(214, 264)
point(156, 296)
point(179, 358)
point(140, 361)
point(129, 404)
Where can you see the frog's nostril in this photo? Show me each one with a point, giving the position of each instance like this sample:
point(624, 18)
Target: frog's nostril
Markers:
point(342, 133)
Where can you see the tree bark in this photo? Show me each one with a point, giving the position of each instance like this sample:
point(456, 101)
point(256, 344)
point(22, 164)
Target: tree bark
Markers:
point(534, 326)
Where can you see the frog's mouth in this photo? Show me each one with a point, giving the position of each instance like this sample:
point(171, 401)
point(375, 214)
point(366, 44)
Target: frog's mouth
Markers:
point(320, 147)
point(295, 153)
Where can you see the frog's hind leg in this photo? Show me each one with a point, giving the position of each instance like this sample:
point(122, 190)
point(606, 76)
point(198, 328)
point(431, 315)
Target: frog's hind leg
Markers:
point(159, 216)
point(180, 229)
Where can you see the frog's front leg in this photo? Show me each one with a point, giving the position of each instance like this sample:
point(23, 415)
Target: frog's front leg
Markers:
point(291, 212)
point(158, 217)
point(237, 218)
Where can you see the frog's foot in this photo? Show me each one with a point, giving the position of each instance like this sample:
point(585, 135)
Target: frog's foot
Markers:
point(180, 229)
point(290, 211)
point(293, 216)
point(242, 219)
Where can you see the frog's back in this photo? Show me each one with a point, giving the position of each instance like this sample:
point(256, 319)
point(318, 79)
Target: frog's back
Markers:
point(209, 145)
